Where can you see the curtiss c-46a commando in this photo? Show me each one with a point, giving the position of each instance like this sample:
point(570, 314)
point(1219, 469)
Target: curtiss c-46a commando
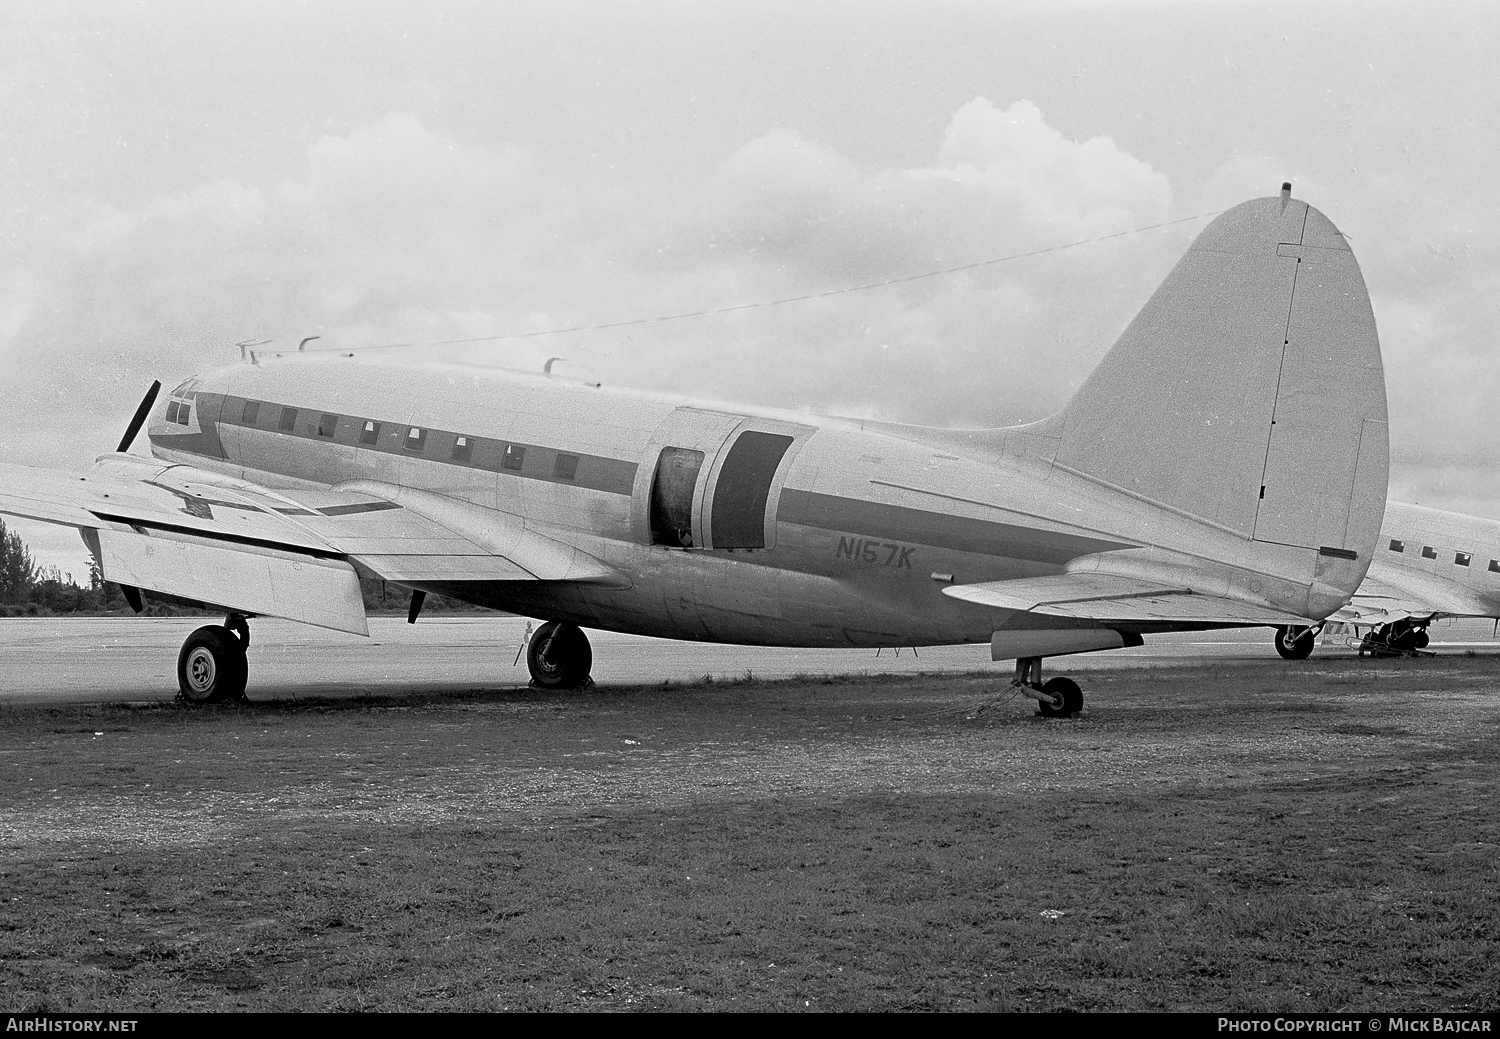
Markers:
point(1225, 465)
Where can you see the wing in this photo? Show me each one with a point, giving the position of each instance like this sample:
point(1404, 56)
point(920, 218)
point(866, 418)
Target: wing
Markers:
point(1105, 597)
point(1389, 594)
point(185, 532)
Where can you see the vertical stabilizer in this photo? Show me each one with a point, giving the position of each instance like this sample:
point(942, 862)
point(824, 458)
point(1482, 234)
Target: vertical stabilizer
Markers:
point(1249, 392)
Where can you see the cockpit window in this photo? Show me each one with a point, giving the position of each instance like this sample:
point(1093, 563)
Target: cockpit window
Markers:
point(184, 413)
point(172, 407)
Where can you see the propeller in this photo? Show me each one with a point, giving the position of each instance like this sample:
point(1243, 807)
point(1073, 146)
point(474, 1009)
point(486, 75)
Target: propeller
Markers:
point(140, 417)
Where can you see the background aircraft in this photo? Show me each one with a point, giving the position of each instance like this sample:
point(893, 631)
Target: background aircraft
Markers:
point(1427, 564)
point(1225, 465)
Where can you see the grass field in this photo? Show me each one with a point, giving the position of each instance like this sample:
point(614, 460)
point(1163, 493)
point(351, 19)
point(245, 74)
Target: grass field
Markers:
point(1316, 836)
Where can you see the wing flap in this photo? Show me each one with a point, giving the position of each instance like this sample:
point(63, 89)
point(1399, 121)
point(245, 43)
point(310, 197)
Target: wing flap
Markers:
point(534, 554)
point(428, 567)
point(1109, 598)
point(263, 581)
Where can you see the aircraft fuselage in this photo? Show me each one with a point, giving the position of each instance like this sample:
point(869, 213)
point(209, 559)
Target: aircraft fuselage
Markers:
point(734, 525)
point(1453, 558)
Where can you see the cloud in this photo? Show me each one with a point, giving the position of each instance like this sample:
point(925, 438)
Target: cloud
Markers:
point(399, 232)
point(785, 217)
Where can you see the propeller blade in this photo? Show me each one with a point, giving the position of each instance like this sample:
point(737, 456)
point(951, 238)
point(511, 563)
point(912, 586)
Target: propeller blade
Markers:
point(140, 417)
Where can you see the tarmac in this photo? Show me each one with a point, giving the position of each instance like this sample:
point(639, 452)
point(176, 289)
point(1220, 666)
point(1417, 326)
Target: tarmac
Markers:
point(58, 660)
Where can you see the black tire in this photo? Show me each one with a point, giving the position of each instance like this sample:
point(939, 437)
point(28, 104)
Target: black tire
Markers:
point(1072, 698)
point(559, 656)
point(211, 666)
point(1294, 643)
point(1420, 640)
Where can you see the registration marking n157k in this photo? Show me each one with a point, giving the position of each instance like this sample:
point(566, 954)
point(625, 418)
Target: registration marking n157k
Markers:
point(876, 553)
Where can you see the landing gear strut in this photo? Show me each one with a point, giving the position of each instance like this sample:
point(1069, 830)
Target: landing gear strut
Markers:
point(1296, 643)
point(1057, 698)
point(559, 656)
point(211, 666)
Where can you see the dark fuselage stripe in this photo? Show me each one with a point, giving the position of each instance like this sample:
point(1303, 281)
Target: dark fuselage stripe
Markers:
point(507, 458)
point(916, 526)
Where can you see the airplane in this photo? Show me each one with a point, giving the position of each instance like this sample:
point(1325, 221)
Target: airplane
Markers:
point(1427, 564)
point(1225, 465)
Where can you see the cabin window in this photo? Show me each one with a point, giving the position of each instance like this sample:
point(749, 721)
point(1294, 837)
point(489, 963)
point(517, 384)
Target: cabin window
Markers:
point(672, 497)
point(416, 439)
point(1495, 566)
point(513, 457)
point(1398, 546)
point(251, 414)
point(172, 411)
point(288, 421)
point(1462, 558)
point(1428, 552)
point(184, 413)
point(566, 467)
point(369, 433)
point(463, 449)
point(328, 425)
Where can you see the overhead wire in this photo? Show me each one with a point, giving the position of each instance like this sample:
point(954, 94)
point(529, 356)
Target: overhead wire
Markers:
point(804, 297)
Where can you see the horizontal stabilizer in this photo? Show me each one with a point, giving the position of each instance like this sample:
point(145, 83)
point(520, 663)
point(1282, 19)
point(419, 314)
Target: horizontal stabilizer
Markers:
point(1111, 599)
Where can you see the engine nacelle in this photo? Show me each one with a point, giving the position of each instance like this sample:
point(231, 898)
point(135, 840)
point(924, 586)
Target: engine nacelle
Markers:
point(1053, 642)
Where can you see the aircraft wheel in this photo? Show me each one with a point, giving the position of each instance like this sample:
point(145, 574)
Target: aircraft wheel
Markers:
point(1072, 698)
point(1420, 639)
point(211, 666)
point(559, 656)
point(1294, 643)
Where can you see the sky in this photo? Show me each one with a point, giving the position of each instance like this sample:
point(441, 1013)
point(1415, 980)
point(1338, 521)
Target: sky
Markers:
point(176, 178)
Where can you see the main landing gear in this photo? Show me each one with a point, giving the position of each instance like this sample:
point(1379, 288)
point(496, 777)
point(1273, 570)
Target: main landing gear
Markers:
point(559, 657)
point(211, 667)
point(1058, 698)
point(1296, 643)
point(1399, 639)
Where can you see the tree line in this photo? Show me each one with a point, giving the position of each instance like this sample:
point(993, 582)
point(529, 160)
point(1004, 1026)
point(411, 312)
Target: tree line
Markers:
point(26, 588)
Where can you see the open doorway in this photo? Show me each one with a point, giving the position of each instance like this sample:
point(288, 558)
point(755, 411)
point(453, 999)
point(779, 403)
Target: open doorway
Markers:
point(672, 489)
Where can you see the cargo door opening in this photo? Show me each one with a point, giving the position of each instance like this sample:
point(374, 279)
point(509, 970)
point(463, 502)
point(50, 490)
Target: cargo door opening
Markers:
point(672, 489)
